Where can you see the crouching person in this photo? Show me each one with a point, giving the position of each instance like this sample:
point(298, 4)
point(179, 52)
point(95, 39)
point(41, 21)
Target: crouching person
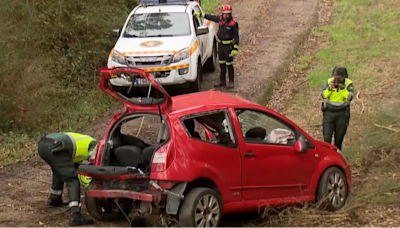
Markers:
point(64, 152)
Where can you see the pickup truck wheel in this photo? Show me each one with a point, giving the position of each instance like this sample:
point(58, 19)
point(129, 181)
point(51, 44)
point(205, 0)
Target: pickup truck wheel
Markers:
point(196, 85)
point(202, 207)
point(101, 209)
point(211, 63)
point(332, 190)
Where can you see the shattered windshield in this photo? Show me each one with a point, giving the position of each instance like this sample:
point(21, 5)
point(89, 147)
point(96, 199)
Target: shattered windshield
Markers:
point(157, 25)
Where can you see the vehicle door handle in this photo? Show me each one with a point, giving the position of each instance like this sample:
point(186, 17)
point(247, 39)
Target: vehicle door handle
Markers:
point(249, 154)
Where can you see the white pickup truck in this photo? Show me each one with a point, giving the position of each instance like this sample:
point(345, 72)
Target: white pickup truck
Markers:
point(166, 40)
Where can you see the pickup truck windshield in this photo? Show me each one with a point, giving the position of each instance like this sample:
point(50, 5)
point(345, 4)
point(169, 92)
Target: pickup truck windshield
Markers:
point(157, 25)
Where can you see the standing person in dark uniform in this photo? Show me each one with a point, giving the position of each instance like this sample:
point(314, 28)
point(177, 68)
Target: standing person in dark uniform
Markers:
point(339, 92)
point(64, 152)
point(228, 43)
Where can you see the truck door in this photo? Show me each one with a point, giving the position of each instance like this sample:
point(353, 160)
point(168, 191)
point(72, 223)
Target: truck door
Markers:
point(202, 39)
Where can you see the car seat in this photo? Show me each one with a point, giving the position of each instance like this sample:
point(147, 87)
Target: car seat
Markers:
point(120, 139)
point(148, 154)
point(129, 155)
point(190, 126)
point(256, 134)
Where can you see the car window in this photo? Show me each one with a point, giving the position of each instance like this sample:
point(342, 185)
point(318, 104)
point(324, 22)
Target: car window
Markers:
point(197, 8)
point(196, 23)
point(157, 25)
point(260, 127)
point(212, 121)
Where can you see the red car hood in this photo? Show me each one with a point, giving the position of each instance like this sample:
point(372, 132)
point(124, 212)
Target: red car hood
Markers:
point(325, 144)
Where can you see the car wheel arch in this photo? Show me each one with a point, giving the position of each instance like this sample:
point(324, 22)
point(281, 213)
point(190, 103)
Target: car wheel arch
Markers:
point(211, 45)
point(201, 68)
point(173, 205)
point(202, 182)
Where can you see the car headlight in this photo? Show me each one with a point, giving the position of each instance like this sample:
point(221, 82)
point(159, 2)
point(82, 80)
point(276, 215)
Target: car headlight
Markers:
point(181, 55)
point(118, 57)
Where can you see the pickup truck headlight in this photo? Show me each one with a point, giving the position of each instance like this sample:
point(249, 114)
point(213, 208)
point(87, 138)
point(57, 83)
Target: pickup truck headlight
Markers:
point(118, 57)
point(181, 55)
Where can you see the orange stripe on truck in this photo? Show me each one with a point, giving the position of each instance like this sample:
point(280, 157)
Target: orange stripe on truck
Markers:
point(153, 69)
point(148, 52)
point(193, 48)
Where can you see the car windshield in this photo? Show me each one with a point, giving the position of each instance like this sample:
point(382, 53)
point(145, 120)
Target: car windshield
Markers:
point(157, 25)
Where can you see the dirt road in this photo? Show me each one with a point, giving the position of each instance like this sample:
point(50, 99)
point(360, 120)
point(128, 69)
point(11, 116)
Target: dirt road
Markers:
point(269, 30)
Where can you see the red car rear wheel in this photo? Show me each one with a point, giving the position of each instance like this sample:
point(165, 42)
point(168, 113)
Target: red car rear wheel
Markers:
point(201, 207)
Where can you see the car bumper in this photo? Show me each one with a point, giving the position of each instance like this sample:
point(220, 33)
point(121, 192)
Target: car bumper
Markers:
point(179, 74)
point(114, 193)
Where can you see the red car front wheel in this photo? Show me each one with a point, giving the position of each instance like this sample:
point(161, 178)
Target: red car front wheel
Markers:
point(332, 189)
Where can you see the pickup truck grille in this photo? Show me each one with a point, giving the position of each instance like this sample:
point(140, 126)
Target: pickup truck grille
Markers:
point(138, 61)
point(156, 74)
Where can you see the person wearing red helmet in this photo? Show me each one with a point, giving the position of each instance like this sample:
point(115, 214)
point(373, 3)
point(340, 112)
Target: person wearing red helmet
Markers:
point(228, 42)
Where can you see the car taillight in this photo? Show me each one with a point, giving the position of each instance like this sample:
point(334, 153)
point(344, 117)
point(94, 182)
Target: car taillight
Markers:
point(163, 158)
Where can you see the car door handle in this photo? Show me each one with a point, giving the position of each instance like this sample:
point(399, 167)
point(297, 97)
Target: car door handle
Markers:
point(249, 154)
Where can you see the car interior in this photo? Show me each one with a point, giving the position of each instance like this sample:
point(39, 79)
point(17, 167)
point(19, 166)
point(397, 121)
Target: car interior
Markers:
point(213, 123)
point(131, 151)
point(258, 133)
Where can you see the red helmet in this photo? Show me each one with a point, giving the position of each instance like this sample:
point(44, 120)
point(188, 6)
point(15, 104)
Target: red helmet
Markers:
point(226, 8)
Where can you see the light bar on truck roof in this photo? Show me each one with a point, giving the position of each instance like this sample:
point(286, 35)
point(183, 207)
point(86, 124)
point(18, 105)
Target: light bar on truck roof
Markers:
point(172, 2)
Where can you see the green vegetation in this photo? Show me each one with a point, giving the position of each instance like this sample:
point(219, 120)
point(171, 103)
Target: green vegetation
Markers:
point(364, 37)
point(209, 6)
point(52, 50)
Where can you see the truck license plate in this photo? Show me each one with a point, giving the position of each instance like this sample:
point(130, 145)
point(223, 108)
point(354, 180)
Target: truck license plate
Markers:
point(144, 81)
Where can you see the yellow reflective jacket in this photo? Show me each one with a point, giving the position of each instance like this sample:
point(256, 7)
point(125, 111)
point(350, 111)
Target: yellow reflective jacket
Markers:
point(80, 146)
point(338, 98)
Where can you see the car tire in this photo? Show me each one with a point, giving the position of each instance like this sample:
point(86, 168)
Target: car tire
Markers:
point(196, 85)
point(101, 210)
point(195, 198)
point(332, 192)
point(211, 63)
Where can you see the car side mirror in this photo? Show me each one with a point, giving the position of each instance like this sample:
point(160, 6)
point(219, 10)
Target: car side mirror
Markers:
point(301, 145)
point(116, 33)
point(201, 30)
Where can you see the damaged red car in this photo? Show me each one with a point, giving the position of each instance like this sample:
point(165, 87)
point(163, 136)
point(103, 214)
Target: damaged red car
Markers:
point(206, 154)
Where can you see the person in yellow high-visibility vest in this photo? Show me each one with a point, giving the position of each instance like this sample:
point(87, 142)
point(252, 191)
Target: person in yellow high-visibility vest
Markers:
point(64, 152)
point(339, 92)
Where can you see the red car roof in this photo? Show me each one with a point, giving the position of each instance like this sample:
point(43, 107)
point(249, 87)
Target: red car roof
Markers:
point(209, 97)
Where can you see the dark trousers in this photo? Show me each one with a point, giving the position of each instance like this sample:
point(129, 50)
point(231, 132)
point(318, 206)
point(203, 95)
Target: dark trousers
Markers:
point(64, 171)
point(226, 61)
point(335, 122)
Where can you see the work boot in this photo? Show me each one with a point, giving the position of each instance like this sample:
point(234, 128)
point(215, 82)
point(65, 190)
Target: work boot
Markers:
point(55, 201)
point(220, 84)
point(77, 219)
point(231, 85)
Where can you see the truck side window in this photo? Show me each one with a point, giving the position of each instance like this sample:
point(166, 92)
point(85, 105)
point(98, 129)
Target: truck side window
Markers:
point(196, 23)
point(201, 20)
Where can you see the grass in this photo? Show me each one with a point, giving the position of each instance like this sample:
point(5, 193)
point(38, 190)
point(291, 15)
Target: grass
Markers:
point(209, 6)
point(52, 50)
point(363, 37)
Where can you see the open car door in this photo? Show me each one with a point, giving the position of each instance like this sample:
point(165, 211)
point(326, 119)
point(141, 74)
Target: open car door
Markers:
point(161, 102)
